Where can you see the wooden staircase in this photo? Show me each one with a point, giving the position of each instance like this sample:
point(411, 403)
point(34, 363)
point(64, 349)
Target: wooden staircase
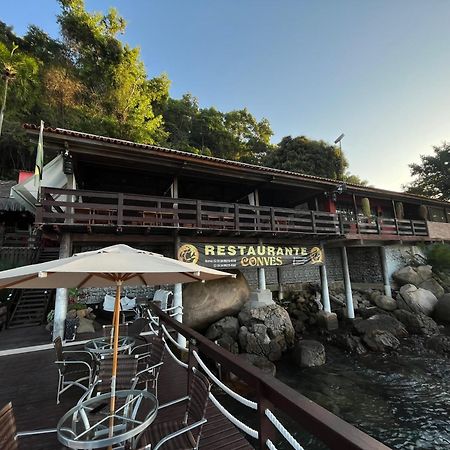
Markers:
point(32, 304)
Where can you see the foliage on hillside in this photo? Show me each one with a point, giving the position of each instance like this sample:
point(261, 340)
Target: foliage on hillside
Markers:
point(89, 80)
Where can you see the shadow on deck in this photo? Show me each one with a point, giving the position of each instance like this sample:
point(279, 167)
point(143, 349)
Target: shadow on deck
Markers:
point(29, 381)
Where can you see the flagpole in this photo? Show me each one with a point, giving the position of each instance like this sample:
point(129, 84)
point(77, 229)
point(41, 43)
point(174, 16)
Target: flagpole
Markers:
point(39, 166)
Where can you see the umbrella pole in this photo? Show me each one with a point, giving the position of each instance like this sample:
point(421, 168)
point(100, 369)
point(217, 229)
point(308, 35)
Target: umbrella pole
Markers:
point(112, 405)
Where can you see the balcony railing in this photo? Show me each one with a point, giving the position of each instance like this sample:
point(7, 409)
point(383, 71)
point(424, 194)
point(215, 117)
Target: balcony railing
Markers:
point(92, 208)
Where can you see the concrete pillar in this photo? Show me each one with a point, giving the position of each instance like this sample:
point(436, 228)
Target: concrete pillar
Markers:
point(178, 302)
point(261, 279)
point(384, 269)
point(347, 284)
point(61, 299)
point(324, 286)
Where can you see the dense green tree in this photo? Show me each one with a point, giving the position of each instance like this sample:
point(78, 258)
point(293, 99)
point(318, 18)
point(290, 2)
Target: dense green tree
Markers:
point(113, 74)
point(300, 154)
point(432, 174)
point(233, 135)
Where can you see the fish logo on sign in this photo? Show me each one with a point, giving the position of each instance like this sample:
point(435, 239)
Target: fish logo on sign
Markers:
point(316, 255)
point(188, 253)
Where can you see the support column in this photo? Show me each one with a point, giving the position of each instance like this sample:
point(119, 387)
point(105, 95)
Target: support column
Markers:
point(387, 284)
point(324, 286)
point(261, 279)
point(61, 299)
point(347, 284)
point(178, 300)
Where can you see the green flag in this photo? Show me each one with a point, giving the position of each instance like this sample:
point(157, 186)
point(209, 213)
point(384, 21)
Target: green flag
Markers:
point(39, 158)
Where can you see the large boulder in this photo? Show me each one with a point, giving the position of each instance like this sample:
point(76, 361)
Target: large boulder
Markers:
point(442, 310)
point(205, 303)
point(407, 275)
point(433, 286)
point(380, 323)
point(309, 353)
point(417, 323)
point(416, 299)
point(265, 331)
point(380, 341)
point(384, 302)
point(424, 272)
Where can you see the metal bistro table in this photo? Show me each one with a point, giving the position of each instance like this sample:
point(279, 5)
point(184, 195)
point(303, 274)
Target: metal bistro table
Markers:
point(87, 425)
point(102, 346)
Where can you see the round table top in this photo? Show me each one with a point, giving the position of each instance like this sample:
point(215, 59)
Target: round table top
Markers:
point(102, 345)
point(87, 425)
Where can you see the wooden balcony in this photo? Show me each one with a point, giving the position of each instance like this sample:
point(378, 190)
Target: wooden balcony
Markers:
point(81, 209)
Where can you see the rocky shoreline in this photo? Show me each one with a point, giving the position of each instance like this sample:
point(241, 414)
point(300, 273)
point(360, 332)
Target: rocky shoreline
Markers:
point(414, 317)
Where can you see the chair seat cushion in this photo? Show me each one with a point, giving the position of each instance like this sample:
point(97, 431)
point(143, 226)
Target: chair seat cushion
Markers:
point(74, 370)
point(158, 431)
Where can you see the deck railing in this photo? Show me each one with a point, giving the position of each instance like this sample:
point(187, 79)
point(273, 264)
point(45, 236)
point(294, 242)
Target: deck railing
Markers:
point(271, 400)
point(115, 209)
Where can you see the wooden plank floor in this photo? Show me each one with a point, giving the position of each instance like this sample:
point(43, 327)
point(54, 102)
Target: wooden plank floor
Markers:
point(29, 381)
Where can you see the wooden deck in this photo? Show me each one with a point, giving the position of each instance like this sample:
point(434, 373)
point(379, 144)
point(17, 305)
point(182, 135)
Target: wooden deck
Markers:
point(29, 381)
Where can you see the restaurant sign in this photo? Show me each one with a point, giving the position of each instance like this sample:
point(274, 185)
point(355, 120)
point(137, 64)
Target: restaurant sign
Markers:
point(230, 256)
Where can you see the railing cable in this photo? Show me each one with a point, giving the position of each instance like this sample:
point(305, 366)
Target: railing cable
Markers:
point(242, 426)
point(284, 432)
point(230, 392)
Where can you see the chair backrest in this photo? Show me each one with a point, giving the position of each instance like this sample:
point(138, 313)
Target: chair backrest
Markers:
point(8, 428)
point(156, 351)
point(123, 330)
point(162, 296)
point(137, 327)
point(198, 401)
point(57, 343)
point(126, 371)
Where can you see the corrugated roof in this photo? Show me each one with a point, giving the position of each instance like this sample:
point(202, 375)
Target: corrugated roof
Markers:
point(226, 163)
point(7, 203)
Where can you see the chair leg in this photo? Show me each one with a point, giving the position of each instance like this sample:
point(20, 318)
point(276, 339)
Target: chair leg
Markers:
point(60, 382)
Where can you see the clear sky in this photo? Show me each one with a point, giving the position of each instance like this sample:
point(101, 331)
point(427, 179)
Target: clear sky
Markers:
point(376, 70)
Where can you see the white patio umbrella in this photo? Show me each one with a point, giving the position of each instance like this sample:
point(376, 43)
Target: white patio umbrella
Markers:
point(118, 265)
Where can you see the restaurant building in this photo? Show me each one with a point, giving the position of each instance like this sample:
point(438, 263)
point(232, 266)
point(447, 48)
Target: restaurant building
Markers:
point(277, 227)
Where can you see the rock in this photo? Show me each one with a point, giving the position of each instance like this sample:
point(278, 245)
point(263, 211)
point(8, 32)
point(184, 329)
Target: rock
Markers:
point(326, 320)
point(205, 303)
point(407, 275)
point(380, 340)
point(260, 362)
point(442, 310)
point(227, 326)
point(365, 313)
point(416, 299)
point(417, 323)
point(309, 353)
point(228, 343)
point(425, 272)
point(71, 314)
point(265, 331)
point(380, 323)
point(348, 342)
point(440, 344)
point(386, 303)
point(433, 286)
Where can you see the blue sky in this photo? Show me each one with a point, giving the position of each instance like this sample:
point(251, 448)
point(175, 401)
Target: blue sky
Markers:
point(376, 70)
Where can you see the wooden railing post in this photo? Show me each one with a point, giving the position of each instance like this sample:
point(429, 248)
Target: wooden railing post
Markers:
point(120, 209)
point(236, 216)
point(192, 362)
point(313, 221)
point(199, 213)
point(412, 227)
point(397, 229)
point(272, 219)
point(38, 213)
point(378, 225)
point(266, 429)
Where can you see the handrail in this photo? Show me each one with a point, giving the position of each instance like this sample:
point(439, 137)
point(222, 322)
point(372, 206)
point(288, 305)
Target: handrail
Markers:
point(330, 429)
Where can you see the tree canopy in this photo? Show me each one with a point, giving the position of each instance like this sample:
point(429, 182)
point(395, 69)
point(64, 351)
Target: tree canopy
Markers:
point(89, 80)
point(432, 174)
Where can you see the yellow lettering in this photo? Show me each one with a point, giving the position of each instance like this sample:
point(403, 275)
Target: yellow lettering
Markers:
point(288, 251)
point(221, 250)
point(280, 251)
point(270, 250)
point(261, 250)
point(231, 250)
point(251, 251)
point(279, 261)
point(209, 250)
point(304, 251)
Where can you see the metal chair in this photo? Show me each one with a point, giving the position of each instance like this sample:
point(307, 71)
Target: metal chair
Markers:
point(109, 329)
point(150, 357)
point(8, 432)
point(71, 371)
point(137, 327)
point(185, 433)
